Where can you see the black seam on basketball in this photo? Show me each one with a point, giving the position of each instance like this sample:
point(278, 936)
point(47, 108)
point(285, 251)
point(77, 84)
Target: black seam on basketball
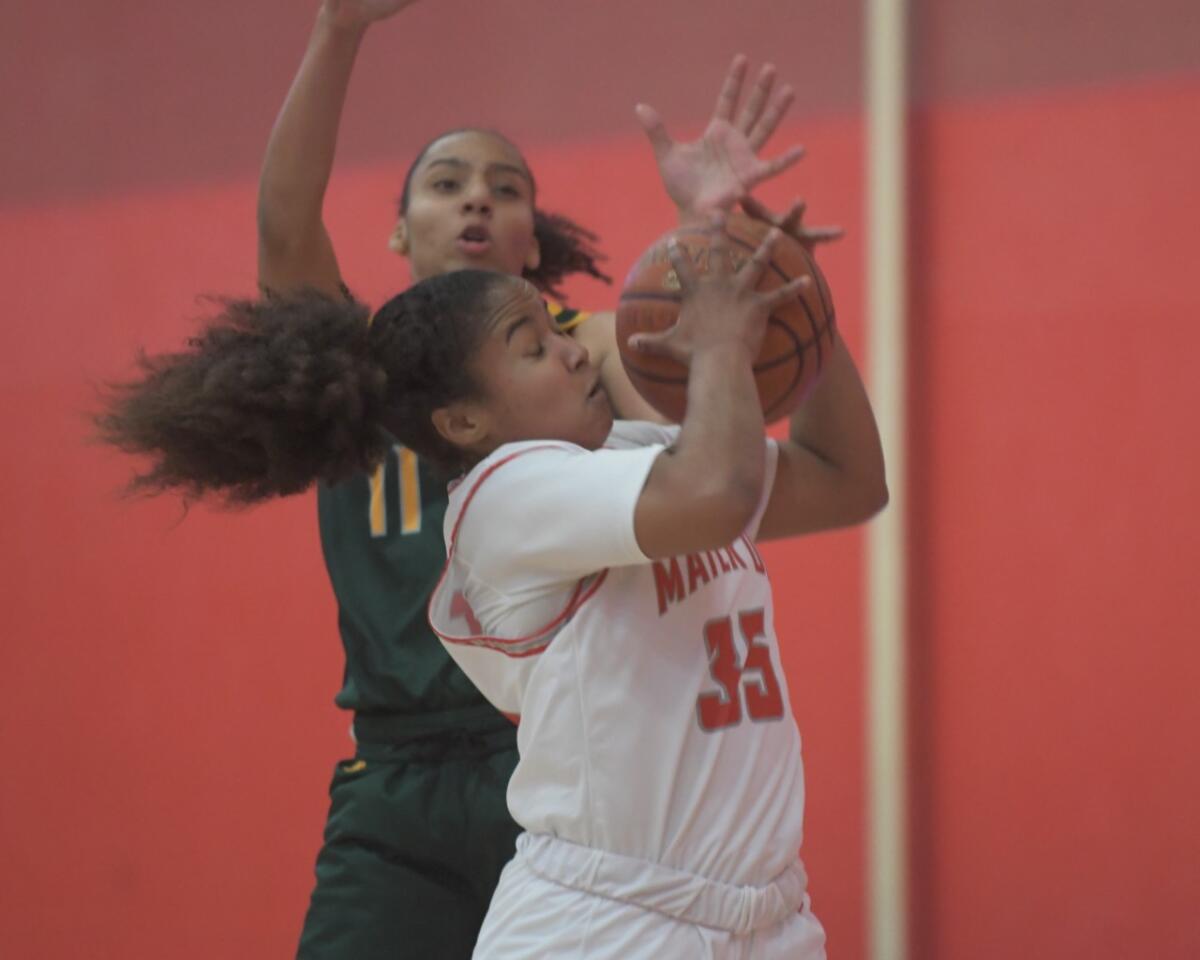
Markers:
point(816, 340)
point(801, 346)
point(799, 354)
point(827, 308)
point(818, 279)
point(812, 269)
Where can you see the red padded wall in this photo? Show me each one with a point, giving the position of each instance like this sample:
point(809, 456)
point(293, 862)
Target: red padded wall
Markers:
point(166, 681)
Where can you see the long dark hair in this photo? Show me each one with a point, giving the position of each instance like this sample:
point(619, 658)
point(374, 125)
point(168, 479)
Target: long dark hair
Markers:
point(565, 246)
point(278, 393)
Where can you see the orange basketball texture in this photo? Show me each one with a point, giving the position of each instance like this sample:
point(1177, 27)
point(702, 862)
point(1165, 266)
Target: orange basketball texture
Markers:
point(799, 334)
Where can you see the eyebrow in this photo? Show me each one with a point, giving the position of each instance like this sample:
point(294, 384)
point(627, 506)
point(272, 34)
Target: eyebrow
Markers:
point(515, 326)
point(497, 167)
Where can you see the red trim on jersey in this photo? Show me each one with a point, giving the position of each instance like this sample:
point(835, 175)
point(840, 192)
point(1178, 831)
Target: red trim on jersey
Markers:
point(582, 593)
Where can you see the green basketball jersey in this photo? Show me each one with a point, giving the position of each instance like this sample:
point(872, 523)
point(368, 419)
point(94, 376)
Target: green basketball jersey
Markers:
point(384, 549)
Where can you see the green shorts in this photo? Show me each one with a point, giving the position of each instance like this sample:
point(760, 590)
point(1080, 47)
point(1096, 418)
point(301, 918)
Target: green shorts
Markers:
point(417, 835)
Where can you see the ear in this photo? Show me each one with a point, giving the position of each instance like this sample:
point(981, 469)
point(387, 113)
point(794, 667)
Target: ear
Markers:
point(463, 424)
point(398, 241)
point(533, 259)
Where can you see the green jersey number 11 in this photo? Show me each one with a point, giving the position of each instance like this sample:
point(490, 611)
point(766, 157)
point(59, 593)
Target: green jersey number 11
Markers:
point(402, 464)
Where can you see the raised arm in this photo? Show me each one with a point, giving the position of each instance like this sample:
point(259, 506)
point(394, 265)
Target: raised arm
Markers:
point(830, 472)
point(702, 492)
point(294, 249)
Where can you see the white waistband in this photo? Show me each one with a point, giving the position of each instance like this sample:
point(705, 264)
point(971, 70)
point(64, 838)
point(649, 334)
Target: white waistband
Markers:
point(685, 896)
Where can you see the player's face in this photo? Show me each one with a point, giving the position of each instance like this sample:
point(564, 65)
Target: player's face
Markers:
point(537, 382)
point(470, 205)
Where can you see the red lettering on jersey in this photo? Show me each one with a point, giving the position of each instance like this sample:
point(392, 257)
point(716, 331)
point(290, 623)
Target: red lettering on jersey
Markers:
point(668, 574)
point(735, 557)
point(460, 609)
point(755, 559)
point(763, 694)
point(721, 708)
point(668, 581)
point(764, 698)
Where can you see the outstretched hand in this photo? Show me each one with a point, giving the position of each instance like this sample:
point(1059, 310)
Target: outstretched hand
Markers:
point(723, 166)
point(363, 12)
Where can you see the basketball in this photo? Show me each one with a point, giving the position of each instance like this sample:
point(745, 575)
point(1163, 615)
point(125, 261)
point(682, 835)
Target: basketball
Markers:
point(799, 335)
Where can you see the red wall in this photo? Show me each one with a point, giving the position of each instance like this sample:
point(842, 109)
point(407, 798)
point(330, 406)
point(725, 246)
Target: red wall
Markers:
point(166, 723)
point(1057, 462)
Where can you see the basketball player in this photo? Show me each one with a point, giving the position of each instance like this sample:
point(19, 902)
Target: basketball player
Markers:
point(659, 783)
point(399, 870)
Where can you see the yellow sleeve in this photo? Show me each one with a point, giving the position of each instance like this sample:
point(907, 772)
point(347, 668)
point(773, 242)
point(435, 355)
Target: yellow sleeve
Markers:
point(564, 317)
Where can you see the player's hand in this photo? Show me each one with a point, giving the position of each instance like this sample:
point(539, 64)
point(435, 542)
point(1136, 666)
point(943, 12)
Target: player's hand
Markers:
point(721, 306)
point(792, 223)
point(723, 166)
point(360, 13)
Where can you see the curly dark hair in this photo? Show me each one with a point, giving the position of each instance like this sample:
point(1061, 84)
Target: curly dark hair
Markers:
point(276, 394)
point(565, 246)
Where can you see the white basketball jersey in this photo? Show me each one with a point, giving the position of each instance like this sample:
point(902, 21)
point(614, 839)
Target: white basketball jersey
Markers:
point(654, 715)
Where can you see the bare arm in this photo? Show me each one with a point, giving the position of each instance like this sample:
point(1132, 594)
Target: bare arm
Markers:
point(830, 471)
point(294, 249)
point(701, 493)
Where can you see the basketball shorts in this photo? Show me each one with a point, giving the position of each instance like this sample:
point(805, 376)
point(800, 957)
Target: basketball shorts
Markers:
point(560, 900)
point(415, 841)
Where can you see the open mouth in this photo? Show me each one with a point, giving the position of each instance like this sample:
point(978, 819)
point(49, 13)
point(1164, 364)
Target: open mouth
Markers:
point(475, 239)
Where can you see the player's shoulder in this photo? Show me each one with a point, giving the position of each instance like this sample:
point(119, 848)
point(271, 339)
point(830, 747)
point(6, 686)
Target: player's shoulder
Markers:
point(514, 468)
point(512, 459)
point(500, 484)
point(625, 435)
point(565, 318)
point(522, 449)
